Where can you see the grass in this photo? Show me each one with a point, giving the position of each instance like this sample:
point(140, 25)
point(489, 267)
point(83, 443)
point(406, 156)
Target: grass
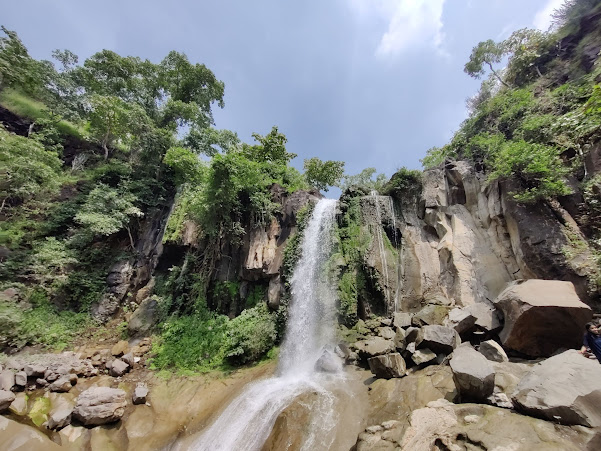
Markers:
point(25, 106)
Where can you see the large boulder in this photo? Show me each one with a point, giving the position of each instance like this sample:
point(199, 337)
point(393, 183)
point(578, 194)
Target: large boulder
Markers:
point(7, 380)
point(387, 366)
point(100, 405)
point(542, 316)
point(564, 388)
point(478, 316)
point(474, 375)
point(439, 339)
point(373, 347)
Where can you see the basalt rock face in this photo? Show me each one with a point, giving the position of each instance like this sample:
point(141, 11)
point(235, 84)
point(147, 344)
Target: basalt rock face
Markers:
point(463, 239)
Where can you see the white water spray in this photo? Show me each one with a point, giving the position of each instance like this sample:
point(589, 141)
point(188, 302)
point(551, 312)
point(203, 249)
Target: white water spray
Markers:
point(247, 422)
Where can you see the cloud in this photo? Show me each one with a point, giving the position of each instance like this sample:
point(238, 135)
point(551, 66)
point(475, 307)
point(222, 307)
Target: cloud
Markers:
point(411, 23)
point(542, 19)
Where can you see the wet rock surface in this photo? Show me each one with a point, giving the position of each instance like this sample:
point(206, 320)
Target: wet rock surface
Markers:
point(100, 405)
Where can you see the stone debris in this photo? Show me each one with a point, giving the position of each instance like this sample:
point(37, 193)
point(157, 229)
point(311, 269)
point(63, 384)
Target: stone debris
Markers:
point(118, 368)
point(140, 393)
point(493, 351)
point(439, 339)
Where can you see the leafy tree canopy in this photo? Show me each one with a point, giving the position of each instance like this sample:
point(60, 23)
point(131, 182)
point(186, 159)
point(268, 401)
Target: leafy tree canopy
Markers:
point(323, 174)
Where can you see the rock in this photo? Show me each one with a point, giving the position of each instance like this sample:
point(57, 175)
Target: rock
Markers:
point(63, 384)
point(411, 334)
point(328, 362)
point(120, 348)
point(21, 437)
point(473, 374)
point(51, 376)
point(399, 339)
point(430, 315)
point(401, 320)
point(140, 394)
point(423, 356)
point(542, 316)
point(35, 370)
point(439, 339)
point(129, 359)
point(145, 317)
point(21, 379)
point(500, 400)
point(373, 347)
point(386, 332)
point(119, 368)
point(473, 317)
point(6, 399)
point(59, 418)
point(564, 388)
point(387, 366)
point(387, 322)
point(19, 405)
point(100, 405)
point(41, 382)
point(7, 380)
point(493, 351)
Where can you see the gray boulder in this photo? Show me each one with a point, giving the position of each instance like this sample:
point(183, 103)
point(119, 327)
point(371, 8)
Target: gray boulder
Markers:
point(373, 347)
point(478, 316)
point(493, 351)
point(35, 370)
point(63, 384)
point(542, 316)
point(119, 368)
point(145, 317)
point(140, 394)
point(387, 366)
point(129, 359)
point(7, 380)
point(430, 315)
point(401, 320)
point(6, 399)
point(21, 379)
point(328, 362)
point(439, 339)
point(386, 332)
point(474, 376)
point(100, 405)
point(423, 356)
point(564, 388)
point(399, 339)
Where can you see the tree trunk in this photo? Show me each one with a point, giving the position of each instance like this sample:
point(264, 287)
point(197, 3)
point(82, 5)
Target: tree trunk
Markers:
point(131, 238)
point(497, 75)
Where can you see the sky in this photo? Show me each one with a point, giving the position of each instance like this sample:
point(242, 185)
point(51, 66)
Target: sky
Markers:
point(374, 83)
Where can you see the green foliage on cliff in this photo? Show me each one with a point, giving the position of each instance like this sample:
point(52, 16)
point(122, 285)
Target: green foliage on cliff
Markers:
point(535, 120)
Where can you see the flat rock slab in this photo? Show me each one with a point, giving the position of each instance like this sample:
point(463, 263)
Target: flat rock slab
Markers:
point(373, 347)
point(439, 339)
point(565, 388)
point(542, 316)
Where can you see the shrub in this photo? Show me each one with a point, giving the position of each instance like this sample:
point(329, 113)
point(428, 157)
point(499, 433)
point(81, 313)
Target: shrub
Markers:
point(250, 335)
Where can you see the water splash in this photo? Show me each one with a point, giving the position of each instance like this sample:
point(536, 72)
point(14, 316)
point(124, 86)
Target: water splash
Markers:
point(247, 422)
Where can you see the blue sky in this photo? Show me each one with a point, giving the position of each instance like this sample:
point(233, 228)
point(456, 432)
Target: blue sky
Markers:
point(374, 83)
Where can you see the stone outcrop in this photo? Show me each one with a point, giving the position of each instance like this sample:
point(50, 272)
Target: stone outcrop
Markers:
point(473, 374)
point(145, 317)
point(565, 388)
point(542, 316)
point(100, 405)
point(387, 366)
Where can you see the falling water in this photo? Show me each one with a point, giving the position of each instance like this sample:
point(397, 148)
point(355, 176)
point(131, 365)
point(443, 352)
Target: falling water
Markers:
point(382, 250)
point(247, 422)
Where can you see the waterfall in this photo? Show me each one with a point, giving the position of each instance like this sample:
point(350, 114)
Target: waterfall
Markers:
point(381, 248)
point(247, 422)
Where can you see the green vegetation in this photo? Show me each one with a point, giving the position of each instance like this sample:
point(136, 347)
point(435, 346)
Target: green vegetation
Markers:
point(535, 120)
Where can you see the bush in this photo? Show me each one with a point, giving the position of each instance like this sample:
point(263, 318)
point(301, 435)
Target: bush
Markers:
point(250, 335)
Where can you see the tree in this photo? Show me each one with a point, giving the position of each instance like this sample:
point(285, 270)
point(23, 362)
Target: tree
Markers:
point(107, 210)
point(364, 180)
point(271, 148)
point(185, 165)
point(209, 141)
point(486, 52)
point(323, 174)
point(17, 68)
point(112, 119)
point(26, 168)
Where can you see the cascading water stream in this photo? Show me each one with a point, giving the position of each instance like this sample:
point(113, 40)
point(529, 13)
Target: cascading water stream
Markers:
point(247, 422)
point(381, 249)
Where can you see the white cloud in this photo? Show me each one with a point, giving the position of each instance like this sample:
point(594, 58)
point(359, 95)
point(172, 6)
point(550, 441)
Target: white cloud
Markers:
point(542, 19)
point(411, 23)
